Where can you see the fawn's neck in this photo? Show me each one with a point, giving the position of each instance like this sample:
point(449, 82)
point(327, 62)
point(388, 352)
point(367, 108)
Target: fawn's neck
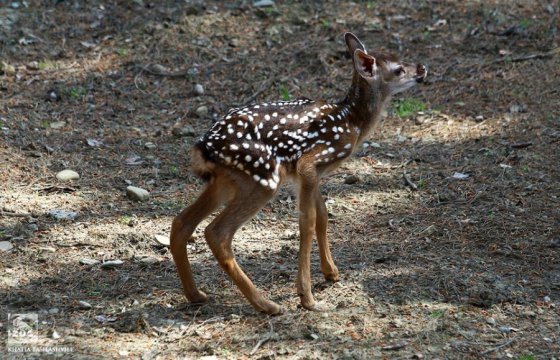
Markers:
point(366, 103)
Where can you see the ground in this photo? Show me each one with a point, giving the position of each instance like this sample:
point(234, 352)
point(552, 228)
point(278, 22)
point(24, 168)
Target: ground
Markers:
point(445, 226)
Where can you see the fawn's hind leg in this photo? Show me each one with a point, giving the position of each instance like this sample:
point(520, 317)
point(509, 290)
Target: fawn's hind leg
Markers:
point(182, 229)
point(327, 264)
point(249, 198)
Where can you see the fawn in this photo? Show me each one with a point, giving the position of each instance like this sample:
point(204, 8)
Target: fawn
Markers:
point(246, 156)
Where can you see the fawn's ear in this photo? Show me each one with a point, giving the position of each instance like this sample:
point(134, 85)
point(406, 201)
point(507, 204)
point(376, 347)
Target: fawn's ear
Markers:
point(353, 43)
point(364, 64)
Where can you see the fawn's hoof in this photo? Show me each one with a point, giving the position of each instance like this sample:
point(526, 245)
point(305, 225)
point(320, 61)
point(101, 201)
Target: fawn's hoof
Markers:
point(315, 306)
point(333, 276)
point(198, 298)
point(271, 308)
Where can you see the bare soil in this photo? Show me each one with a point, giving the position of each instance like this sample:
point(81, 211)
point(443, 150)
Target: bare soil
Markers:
point(459, 261)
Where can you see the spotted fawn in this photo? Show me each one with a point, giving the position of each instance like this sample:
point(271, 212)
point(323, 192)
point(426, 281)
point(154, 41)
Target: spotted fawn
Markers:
point(247, 155)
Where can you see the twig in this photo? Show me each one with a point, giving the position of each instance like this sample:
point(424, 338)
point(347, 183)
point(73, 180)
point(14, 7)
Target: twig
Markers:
point(545, 55)
point(7, 214)
point(266, 338)
point(507, 343)
point(409, 182)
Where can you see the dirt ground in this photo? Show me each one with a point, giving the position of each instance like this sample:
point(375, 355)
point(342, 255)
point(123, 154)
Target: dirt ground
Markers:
point(445, 228)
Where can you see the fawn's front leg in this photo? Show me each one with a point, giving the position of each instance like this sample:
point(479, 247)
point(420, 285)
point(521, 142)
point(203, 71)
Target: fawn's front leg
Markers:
point(327, 264)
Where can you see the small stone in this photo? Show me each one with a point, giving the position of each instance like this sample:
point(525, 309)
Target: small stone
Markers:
point(57, 125)
point(202, 111)
point(6, 246)
point(479, 118)
point(52, 95)
point(547, 299)
point(137, 194)
point(352, 179)
point(63, 214)
point(7, 68)
point(84, 305)
point(491, 321)
point(401, 138)
point(54, 311)
point(111, 264)
point(263, 3)
point(419, 120)
point(86, 261)
point(33, 227)
point(55, 335)
point(150, 145)
point(162, 239)
point(67, 175)
point(33, 65)
point(199, 89)
point(187, 130)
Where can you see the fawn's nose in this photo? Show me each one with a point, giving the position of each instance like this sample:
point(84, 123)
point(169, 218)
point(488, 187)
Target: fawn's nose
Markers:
point(421, 73)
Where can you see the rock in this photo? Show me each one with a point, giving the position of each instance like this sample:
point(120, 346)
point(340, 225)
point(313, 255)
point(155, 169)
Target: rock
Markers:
point(263, 3)
point(67, 175)
point(199, 89)
point(55, 335)
point(7, 68)
point(111, 264)
point(352, 179)
point(6, 246)
point(33, 65)
point(84, 305)
point(162, 240)
point(479, 118)
point(491, 321)
point(86, 261)
point(187, 130)
point(150, 145)
point(202, 111)
point(137, 194)
point(52, 95)
point(460, 176)
point(63, 214)
point(57, 125)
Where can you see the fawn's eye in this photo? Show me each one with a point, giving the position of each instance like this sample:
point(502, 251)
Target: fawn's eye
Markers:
point(399, 71)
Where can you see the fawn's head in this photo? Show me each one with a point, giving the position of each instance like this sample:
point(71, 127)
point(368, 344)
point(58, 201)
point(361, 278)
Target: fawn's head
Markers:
point(382, 71)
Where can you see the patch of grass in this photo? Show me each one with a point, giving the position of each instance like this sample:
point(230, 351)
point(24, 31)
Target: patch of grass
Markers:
point(46, 64)
point(121, 52)
point(422, 183)
point(371, 5)
point(76, 92)
point(45, 124)
point(284, 93)
point(326, 23)
point(526, 357)
point(407, 107)
point(436, 314)
point(173, 170)
point(125, 219)
point(525, 23)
